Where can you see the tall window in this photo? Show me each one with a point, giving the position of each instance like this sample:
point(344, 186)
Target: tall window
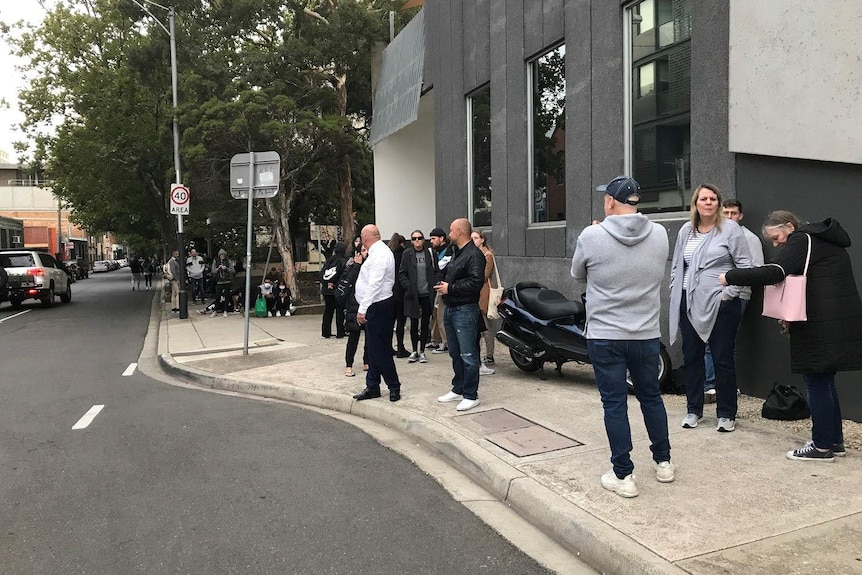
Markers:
point(659, 53)
point(479, 156)
point(547, 126)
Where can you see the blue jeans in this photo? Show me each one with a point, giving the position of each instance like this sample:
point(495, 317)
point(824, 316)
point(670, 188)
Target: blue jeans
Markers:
point(611, 359)
point(722, 342)
point(709, 382)
point(826, 424)
point(462, 334)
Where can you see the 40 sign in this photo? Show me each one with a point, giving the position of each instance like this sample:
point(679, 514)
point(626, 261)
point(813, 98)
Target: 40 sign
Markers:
point(180, 199)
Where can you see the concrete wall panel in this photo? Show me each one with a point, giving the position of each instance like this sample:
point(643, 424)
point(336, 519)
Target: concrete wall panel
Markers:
point(795, 73)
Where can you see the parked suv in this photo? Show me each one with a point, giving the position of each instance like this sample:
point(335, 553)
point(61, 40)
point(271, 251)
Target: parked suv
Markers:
point(33, 274)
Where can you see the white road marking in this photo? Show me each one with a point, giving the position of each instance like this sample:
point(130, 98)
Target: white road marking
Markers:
point(88, 417)
point(130, 370)
point(14, 315)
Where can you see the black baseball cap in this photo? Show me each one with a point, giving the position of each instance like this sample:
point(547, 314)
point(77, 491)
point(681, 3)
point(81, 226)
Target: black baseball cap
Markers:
point(623, 189)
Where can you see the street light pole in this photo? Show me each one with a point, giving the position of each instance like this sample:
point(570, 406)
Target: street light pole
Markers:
point(184, 300)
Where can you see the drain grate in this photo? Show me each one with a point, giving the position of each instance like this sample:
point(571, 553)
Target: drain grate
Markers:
point(517, 435)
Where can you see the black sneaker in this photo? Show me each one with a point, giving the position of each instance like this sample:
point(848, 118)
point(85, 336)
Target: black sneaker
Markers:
point(810, 453)
point(838, 450)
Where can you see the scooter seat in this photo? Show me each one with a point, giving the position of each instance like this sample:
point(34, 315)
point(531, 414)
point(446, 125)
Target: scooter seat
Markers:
point(545, 303)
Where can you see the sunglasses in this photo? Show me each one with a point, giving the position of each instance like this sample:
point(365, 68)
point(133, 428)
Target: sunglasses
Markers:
point(417, 239)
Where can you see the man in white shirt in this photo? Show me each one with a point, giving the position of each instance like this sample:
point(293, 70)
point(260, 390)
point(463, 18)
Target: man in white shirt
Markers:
point(373, 293)
point(195, 269)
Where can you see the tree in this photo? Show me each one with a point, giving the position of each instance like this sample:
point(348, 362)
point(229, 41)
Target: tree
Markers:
point(286, 75)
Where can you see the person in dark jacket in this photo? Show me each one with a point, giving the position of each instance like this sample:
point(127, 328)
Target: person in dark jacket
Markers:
point(344, 294)
point(396, 244)
point(831, 339)
point(329, 276)
point(417, 275)
point(223, 270)
point(463, 279)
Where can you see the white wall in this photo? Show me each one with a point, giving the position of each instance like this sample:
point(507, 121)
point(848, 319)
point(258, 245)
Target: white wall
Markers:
point(796, 79)
point(24, 198)
point(404, 176)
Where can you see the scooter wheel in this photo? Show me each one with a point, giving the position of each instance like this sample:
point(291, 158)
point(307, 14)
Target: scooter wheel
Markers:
point(523, 362)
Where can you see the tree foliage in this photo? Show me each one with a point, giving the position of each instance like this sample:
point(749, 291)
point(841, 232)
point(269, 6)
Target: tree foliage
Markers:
point(286, 75)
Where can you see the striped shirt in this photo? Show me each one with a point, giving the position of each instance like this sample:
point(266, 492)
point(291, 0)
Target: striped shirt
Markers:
point(691, 245)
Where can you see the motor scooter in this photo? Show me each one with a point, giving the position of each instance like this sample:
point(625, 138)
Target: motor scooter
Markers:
point(541, 326)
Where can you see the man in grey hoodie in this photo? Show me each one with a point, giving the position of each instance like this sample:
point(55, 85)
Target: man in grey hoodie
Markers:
point(622, 259)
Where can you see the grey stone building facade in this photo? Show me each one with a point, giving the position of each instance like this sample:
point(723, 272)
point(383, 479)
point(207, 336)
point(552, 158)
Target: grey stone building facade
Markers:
point(535, 102)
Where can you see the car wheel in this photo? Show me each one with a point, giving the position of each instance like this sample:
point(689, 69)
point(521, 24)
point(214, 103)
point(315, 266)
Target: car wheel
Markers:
point(523, 362)
point(67, 296)
point(48, 299)
point(16, 302)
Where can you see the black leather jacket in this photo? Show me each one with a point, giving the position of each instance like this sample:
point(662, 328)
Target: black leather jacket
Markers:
point(465, 275)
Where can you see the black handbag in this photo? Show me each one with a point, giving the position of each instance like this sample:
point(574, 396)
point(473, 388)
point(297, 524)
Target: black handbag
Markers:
point(786, 403)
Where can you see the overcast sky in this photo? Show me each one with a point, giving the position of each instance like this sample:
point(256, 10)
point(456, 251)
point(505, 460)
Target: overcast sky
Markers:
point(12, 11)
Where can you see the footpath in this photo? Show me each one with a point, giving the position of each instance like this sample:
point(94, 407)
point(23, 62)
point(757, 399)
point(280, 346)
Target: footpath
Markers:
point(738, 506)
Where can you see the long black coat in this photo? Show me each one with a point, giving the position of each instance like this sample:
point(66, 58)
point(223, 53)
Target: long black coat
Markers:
point(408, 280)
point(831, 339)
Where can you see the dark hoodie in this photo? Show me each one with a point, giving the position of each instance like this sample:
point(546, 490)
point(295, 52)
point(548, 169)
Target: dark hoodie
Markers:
point(332, 270)
point(831, 339)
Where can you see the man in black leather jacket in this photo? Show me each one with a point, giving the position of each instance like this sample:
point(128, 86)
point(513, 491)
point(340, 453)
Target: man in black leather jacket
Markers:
point(464, 276)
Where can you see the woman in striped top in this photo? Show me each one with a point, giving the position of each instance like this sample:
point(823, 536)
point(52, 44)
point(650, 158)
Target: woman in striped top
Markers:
point(704, 312)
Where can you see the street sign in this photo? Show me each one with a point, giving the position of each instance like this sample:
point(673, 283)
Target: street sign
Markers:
point(267, 166)
point(180, 199)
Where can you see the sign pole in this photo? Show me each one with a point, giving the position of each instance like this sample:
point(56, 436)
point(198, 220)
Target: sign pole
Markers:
point(248, 250)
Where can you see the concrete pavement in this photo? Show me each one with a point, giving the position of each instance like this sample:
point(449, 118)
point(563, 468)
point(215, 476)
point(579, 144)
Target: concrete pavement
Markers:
point(737, 505)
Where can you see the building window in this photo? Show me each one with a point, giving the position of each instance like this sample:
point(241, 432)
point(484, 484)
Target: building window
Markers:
point(546, 78)
point(658, 53)
point(479, 156)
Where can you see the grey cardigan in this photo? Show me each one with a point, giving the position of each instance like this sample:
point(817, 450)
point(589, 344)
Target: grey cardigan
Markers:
point(722, 250)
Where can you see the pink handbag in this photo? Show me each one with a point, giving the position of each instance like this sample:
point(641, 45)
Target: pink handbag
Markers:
point(786, 300)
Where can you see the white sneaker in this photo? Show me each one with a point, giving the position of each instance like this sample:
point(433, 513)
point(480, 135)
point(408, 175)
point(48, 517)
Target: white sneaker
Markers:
point(664, 471)
point(623, 487)
point(725, 424)
point(224, 314)
point(422, 358)
point(413, 358)
point(467, 404)
point(213, 314)
point(485, 370)
point(451, 396)
point(691, 420)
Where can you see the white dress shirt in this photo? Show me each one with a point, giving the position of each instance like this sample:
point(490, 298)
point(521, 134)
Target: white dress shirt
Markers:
point(376, 276)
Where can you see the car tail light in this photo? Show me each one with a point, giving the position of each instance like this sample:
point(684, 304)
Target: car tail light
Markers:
point(36, 272)
point(33, 292)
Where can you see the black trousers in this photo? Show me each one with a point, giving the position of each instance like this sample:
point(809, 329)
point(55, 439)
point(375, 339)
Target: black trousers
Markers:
point(424, 320)
point(332, 308)
point(352, 346)
point(380, 319)
point(222, 297)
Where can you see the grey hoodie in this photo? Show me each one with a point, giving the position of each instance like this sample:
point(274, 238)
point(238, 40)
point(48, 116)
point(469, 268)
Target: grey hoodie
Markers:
point(623, 262)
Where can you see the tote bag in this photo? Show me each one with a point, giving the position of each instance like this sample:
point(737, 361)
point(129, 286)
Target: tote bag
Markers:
point(786, 300)
point(495, 294)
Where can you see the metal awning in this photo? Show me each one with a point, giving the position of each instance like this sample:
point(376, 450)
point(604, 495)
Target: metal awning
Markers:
point(396, 99)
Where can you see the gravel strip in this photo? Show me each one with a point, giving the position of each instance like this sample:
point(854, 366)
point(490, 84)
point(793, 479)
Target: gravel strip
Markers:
point(749, 409)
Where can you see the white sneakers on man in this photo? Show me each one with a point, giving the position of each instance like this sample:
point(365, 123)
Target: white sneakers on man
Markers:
point(467, 404)
point(624, 487)
point(485, 370)
point(451, 396)
point(664, 471)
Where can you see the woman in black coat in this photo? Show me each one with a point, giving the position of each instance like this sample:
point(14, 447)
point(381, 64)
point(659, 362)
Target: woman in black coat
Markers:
point(831, 339)
point(396, 244)
point(345, 293)
point(418, 297)
point(329, 276)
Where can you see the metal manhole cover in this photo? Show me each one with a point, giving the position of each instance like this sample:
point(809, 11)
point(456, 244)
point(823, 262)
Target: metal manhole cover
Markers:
point(520, 437)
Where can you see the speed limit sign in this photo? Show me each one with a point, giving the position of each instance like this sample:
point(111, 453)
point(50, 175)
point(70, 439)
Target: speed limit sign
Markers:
point(180, 199)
